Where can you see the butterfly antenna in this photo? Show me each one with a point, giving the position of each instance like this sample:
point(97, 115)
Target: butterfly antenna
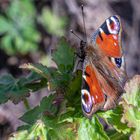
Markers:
point(75, 35)
point(85, 34)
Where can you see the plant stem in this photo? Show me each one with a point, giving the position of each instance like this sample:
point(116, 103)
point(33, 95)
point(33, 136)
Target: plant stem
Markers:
point(118, 136)
point(26, 104)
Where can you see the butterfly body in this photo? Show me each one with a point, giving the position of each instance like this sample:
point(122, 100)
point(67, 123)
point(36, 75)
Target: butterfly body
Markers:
point(103, 67)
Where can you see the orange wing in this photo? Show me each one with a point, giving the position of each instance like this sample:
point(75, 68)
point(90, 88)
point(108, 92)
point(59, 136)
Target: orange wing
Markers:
point(104, 68)
point(108, 37)
point(109, 45)
point(92, 97)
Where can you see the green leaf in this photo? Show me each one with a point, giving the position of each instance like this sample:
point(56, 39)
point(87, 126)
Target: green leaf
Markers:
point(31, 116)
point(4, 24)
point(91, 129)
point(73, 95)
point(53, 76)
point(113, 117)
point(46, 106)
point(36, 131)
point(45, 112)
point(64, 56)
point(53, 24)
point(18, 89)
point(132, 95)
point(42, 70)
point(131, 116)
point(12, 89)
point(23, 127)
point(6, 80)
point(34, 82)
point(18, 27)
point(74, 88)
point(131, 106)
point(59, 130)
point(114, 135)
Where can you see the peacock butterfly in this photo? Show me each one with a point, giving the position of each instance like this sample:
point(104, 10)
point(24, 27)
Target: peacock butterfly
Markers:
point(103, 66)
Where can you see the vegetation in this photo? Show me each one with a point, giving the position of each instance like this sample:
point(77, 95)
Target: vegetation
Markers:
point(59, 114)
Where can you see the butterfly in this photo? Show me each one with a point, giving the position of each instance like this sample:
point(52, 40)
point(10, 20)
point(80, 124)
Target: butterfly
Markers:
point(103, 68)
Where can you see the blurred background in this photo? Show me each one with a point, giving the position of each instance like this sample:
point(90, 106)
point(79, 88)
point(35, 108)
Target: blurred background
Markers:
point(30, 30)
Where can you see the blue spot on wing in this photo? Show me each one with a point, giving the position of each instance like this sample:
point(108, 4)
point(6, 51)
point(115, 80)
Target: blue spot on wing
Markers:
point(118, 62)
point(94, 36)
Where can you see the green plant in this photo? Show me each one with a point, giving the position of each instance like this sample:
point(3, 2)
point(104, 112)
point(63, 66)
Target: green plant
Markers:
point(53, 23)
point(59, 115)
point(18, 28)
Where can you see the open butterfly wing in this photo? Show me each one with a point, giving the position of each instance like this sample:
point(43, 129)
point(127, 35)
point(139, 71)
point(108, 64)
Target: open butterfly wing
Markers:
point(111, 79)
point(101, 87)
point(104, 68)
point(92, 96)
point(108, 37)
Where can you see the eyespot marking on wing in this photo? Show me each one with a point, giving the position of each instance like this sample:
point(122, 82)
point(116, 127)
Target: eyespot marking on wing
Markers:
point(108, 37)
point(86, 101)
point(91, 93)
point(113, 25)
point(119, 62)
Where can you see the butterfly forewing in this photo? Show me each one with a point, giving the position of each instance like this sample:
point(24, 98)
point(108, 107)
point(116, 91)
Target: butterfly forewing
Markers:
point(108, 37)
point(108, 40)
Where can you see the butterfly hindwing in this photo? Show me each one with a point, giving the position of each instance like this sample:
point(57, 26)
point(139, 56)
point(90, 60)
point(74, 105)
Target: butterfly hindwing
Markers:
point(92, 96)
point(101, 86)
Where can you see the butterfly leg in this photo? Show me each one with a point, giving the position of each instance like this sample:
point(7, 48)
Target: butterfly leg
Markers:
point(78, 65)
point(80, 56)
